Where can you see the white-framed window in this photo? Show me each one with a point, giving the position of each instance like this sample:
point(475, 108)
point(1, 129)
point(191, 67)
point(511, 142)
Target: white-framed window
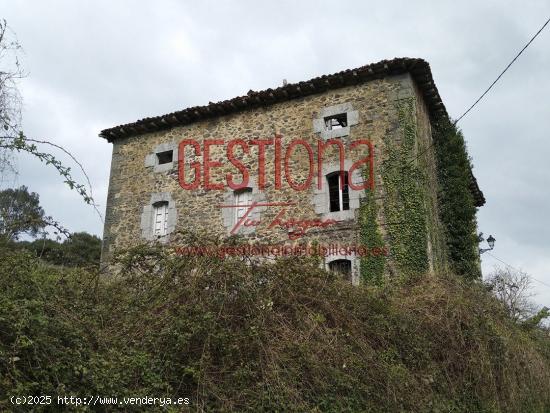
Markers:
point(160, 219)
point(341, 267)
point(338, 194)
point(242, 199)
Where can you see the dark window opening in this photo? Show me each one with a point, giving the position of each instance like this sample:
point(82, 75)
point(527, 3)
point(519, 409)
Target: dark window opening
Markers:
point(341, 267)
point(165, 157)
point(336, 122)
point(338, 196)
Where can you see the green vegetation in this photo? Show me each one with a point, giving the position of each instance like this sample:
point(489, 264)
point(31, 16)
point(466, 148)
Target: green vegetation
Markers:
point(281, 336)
point(20, 213)
point(404, 201)
point(372, 267)
point(456, 203)
point(407, 207)
point(80, 249)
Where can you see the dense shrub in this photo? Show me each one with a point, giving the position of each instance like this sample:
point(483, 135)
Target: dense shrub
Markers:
point(79, 250)
point(457, 208)
point(281, 336)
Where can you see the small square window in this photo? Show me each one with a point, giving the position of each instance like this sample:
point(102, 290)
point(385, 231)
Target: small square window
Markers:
point(165, 157)
point(341, 267)
point(336, 122)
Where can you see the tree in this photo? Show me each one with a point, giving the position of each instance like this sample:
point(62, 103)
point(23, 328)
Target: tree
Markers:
point(44, 248)
point(513, 289)
point(81, 249)
point(20, 212)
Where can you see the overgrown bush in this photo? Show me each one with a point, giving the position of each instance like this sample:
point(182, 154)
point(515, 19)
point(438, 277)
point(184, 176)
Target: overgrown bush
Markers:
point(235, 335)
point(457, 208)
point(79, 250)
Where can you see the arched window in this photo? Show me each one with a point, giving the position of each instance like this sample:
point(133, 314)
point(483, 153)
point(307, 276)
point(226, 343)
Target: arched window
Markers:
point(338, 194)
point(242, 199)
point(160, 219)
point(342, 267)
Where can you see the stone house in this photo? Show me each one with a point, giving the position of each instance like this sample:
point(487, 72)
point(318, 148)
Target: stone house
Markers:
point(186, 170)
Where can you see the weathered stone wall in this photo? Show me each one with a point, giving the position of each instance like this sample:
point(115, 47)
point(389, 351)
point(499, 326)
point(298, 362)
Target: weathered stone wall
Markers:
point(135, 179)
point(437, 255)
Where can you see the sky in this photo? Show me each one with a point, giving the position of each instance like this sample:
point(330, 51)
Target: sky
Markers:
point(95, 64)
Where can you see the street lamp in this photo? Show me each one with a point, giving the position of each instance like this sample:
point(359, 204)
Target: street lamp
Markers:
point(491, 241)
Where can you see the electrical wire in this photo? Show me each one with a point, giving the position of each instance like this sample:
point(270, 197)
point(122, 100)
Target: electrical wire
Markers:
point(490, 87)
point(504, 71)
point(514, 268)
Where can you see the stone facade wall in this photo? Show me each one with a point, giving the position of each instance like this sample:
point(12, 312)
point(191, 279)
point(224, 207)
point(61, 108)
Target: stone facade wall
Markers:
point(437, 255)
point(137, 179)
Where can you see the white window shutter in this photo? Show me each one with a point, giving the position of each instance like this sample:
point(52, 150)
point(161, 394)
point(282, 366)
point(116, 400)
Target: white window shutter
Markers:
point(242, 200)
point(160, 217)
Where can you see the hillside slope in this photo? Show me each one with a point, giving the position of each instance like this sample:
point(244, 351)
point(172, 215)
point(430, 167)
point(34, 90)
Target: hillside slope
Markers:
point(285, 336)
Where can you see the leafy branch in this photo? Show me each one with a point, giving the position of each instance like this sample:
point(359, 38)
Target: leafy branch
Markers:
point(22, 143)
point(11, 72)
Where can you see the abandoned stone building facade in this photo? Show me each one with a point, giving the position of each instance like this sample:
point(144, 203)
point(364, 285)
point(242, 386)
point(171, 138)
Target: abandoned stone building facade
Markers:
point(158, 184)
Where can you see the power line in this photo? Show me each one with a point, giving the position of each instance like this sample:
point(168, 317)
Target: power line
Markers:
point(514, 268)
point(504, 71)
point(489, 88)
point(476, 102)
point(470, 108)
point(431, 144)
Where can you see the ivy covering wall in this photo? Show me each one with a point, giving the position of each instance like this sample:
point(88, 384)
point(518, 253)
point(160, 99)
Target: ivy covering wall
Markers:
point(372, 267)
point(404, 209)
point(456, 203)
point(409, 217)
point(404, 193)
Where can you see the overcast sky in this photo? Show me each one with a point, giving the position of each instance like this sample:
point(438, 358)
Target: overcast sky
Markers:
point(96, 64)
